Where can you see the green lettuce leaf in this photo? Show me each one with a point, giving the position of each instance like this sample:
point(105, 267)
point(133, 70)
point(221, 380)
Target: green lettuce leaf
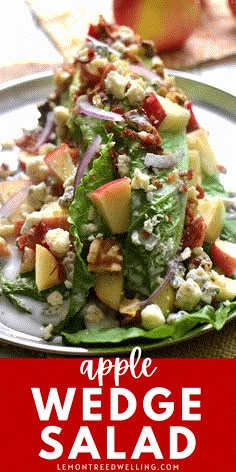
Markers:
point(144, 263)
point(228, 232)
point(25, 286)
point(213, 186)
point(83, 129)
point(188, 325)
point(100, 173)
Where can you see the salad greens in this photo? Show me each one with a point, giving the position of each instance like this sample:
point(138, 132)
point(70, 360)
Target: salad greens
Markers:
point(146, 262)
point(24, 285)
point(188, 324)
point(100, 173)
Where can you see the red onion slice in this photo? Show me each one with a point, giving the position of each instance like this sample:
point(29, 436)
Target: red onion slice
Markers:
point(87, 157)
point(13, 202)
point(163, 161)
point(171, 271)
point(83, 106)
point(46, 132)
point(143, 71)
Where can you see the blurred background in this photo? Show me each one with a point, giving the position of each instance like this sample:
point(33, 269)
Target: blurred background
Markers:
point(197, 36)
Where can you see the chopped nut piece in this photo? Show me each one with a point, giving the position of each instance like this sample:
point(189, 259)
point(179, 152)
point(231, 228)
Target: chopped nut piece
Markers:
point(105, 255)
point(5, 170)
point(199, 259)
point(6, 228)
point(176, 96)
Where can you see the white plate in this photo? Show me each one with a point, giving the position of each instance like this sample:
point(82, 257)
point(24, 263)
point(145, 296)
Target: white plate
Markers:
point(215, 110)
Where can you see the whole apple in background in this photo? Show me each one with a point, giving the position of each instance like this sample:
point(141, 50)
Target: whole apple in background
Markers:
point(232, 6)
point(167, 22)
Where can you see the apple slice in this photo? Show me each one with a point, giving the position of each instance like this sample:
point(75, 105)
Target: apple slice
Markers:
point(192, 123)
point(47, 273)
point(223, 254)
point(53, 210)
point(199, 139)
point(109, 288)
point(213, 212)
point(113, 202)
point(176, 118)
point(25, 159)
point(165, 299)
point(9, 187)
point(153, 108)
point(28, 260)
point(226, 285)
point(60, 162)
point(5, 250)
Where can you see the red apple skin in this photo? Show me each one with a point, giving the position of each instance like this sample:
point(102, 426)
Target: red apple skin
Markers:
point(223, 254)
point(167, 22)
point(193, 123)
point(232, 6)
point(113, 202)
point(154, 109)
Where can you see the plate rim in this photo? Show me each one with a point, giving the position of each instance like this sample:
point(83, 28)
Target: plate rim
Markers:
point(35, 343)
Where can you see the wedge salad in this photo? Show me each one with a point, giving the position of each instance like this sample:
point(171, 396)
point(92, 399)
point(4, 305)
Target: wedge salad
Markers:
point(116, 213)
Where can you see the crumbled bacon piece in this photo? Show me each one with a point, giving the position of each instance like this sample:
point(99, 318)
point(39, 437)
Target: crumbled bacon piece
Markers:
point(222, 169)
point(28, 141)
point(97, 81)
point(37, 234)
point(188, 174)
point(90, 79)
point(183, 188)
point(151, 141)
point(85, 59)
point(194, 233)
point(157, 183)
point(129, 133)
point(114, 156)
point(103, 30)
point(132, 57)
point(201, 192)
point(201, 260)
point(149, 48)
point(189, 214)
point(118, 108)
point(172, 177)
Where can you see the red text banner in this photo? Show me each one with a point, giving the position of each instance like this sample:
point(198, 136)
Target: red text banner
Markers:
point(134, 414)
